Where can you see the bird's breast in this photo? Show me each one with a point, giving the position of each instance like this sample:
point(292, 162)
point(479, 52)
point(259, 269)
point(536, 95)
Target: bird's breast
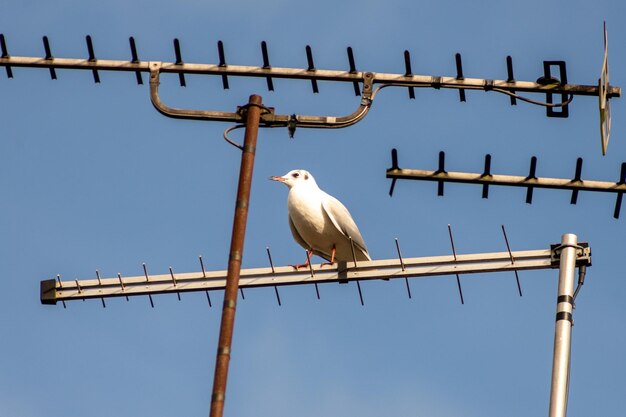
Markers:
point(306, 213)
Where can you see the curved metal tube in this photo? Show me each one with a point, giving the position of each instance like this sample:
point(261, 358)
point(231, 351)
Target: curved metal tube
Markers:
point(267, 119)
point(155, 71)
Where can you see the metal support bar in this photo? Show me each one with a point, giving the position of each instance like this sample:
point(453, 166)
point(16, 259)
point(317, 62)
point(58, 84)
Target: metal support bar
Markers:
point(567, 253)
point(53, 291)
point(253, 116)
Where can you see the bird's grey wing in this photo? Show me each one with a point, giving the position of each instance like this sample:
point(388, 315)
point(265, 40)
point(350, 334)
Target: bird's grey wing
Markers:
point(302, 243)
point(341, 218)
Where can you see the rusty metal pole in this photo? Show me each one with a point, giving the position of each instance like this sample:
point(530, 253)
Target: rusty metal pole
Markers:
point(235, 256)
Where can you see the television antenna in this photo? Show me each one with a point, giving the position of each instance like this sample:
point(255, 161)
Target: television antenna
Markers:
point(566, 256)
point(254, 115)
point(366, 84)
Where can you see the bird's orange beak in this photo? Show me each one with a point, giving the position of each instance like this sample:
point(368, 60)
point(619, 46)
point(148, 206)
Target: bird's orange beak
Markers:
point(277, 178)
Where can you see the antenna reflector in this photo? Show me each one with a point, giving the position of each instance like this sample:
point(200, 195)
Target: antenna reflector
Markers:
point(604, 103)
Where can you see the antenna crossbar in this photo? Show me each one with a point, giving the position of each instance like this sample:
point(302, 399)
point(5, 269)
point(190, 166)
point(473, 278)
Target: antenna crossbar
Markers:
point(508, 180)
point(390, 79)
point(53, 291)
point(530, 182)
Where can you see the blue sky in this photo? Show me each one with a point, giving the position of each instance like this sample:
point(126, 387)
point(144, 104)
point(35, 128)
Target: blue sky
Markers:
point(92, 177)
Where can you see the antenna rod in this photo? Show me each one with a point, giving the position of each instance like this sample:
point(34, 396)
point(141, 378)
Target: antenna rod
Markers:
point(236, 252)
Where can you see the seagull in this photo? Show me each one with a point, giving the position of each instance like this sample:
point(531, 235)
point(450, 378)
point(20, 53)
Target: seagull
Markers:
point(319, 222)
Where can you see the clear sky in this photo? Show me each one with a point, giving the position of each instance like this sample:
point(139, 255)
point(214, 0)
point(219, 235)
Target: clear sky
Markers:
point(92, 177)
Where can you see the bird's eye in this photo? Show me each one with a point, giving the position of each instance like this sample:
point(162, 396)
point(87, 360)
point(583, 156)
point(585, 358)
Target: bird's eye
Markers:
point(295, 174)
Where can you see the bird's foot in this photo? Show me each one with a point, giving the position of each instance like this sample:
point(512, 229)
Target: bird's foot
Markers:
point(296, 267)
point(332, 258)
point(306, 263)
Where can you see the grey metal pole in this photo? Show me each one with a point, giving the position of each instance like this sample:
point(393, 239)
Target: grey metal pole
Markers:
point(563, 328)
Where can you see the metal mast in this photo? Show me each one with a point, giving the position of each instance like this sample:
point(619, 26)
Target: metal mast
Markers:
point(366, 85)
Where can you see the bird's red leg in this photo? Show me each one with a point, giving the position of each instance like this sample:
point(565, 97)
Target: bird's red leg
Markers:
point(307, 262)
point(332, 257)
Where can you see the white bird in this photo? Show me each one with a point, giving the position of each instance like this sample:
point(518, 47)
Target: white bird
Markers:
point(319, 222)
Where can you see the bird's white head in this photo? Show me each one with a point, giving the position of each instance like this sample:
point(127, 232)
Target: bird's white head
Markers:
point(297, 177)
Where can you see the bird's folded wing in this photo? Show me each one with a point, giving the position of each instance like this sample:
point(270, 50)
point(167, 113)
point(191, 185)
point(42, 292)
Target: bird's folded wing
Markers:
point(296, 235)
point(305, 245)
point(341, 218)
